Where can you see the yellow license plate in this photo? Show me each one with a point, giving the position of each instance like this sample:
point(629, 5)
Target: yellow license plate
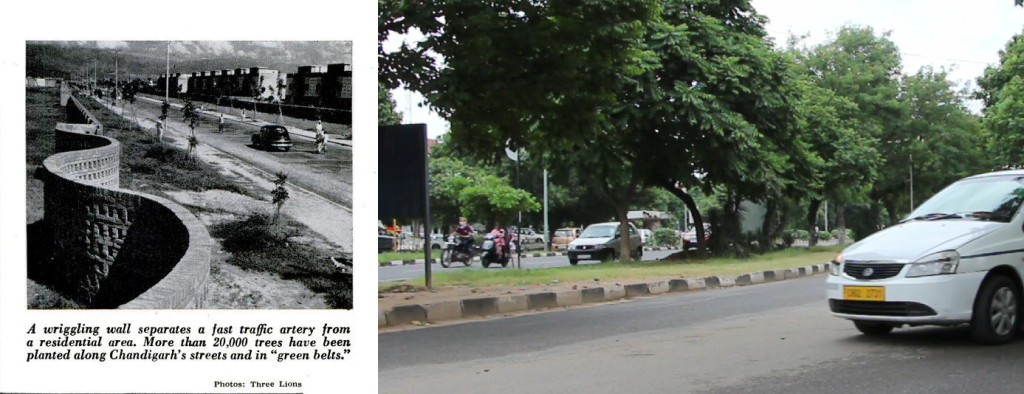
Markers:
point(864, 293)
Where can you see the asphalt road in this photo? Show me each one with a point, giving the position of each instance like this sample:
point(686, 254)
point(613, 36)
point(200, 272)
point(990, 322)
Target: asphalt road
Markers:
point(328, 175)
point(775, 337)
point(387, 274)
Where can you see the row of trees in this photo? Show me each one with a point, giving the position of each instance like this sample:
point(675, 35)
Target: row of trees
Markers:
point(626, 100)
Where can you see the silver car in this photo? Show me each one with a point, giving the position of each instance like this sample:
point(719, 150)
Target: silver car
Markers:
point(601, 242)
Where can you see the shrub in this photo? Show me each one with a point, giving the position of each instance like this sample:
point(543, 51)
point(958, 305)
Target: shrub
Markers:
point(824, 235)
point(801, 234)
point(787, 238)
point(665, 237)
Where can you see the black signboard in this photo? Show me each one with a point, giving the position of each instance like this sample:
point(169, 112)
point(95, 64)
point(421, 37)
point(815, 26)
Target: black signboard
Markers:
point(402, 176)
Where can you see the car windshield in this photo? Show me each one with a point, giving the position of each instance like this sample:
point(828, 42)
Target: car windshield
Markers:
point(994, 198)
point(277, 131)
point(602, 231)
point(563, 233)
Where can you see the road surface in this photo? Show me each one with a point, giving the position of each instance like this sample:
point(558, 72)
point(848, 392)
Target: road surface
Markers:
point(774, 337)
point(403, 272)
point(328, 175)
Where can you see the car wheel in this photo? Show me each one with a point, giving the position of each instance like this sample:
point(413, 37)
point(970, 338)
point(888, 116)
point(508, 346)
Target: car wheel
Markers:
point(446, 258)
point(435, 246)
point(872, 329)
point(996, 317)
point(611, 256)
point(487, 264)
point(287, 149)
point(573, 261)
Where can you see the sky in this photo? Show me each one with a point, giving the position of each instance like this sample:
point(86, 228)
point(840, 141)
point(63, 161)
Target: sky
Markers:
point(963, 36)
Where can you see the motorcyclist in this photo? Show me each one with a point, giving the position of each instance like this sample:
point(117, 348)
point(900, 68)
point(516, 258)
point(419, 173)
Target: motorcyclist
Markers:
point(465, 233)
point(499, 240)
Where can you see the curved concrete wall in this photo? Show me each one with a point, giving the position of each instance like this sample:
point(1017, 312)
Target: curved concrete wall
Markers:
point(118, 248)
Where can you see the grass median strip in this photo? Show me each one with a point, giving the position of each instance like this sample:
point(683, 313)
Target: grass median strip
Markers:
point(789, 258)
point(393, 256)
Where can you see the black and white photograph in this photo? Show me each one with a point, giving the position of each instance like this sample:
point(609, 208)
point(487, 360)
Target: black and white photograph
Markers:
point(189, 174)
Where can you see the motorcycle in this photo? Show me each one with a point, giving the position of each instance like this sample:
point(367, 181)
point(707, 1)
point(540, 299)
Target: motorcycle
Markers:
point(455, 252)
point(489, 253)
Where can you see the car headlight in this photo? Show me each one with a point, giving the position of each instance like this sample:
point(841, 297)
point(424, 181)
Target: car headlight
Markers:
point(837, 264)
point(941, 263)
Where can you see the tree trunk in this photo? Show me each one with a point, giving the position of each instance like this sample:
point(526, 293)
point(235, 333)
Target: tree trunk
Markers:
point(766, 239)
point(841, 221)
point(621, 212)
point(812, 222)
point(691, 205)
point(890, 209)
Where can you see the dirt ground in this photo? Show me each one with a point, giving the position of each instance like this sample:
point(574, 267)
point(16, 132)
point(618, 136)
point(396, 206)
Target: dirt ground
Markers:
point(231, 287)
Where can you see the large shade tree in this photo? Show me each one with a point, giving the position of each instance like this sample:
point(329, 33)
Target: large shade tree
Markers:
point(1002, 89)
point(625, 93)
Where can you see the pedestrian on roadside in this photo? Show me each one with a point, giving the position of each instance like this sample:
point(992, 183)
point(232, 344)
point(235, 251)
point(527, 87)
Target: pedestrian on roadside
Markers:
point(321, 138)
point(220, 127)
point(243, 115)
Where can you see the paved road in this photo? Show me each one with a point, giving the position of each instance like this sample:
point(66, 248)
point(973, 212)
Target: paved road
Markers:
point(775, 337)
point(328, 175)
point(387, 274)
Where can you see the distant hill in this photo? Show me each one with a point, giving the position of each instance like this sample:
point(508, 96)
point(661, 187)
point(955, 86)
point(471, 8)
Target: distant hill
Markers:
point(146, 59)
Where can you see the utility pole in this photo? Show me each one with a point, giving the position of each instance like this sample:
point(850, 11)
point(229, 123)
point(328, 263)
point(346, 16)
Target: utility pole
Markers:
point(114, 99)
point(547, 232)
point(911, 182)
point(167, 76)
point(826, 216)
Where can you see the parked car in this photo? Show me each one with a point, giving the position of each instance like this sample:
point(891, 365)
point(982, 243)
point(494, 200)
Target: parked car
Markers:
point(601, 242)
point(385, 242)
point(564, 236)
point(646, 236)
point(690, 237)
point(529, 236)
point(955, 259)
point(272, 137)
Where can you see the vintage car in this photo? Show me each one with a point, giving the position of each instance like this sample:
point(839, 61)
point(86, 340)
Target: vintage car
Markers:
point(272, 137)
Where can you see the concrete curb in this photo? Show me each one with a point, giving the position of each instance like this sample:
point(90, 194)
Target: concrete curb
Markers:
point(394, 263)
point(542, 300)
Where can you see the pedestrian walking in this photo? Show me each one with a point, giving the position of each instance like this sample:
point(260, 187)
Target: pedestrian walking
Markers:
point(220, 126)
point(243, 115)
point(159, 130)
point(321, 138)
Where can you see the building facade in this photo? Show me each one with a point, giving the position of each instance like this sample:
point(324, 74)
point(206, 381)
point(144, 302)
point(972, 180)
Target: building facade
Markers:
point(328, 86)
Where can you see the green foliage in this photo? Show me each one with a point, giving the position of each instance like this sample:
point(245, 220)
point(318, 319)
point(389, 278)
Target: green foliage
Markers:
point(1002, 89)
point(666, 237)
point(491, 198)
point(516, 69)
point(386, 113)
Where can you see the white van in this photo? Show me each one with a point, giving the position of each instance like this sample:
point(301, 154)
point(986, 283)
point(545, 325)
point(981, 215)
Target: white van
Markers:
point(956, 259)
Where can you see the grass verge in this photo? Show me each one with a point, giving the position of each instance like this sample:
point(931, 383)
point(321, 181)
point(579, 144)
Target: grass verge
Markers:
point(392, 256)
point(789, 258)
point(149, 165)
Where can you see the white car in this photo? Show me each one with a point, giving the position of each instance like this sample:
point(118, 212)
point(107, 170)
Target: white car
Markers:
point(601, 242)
point(955, 259)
